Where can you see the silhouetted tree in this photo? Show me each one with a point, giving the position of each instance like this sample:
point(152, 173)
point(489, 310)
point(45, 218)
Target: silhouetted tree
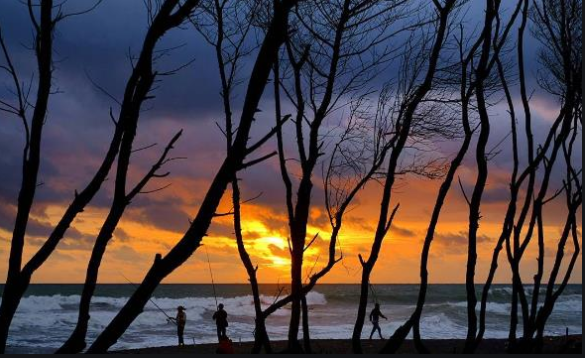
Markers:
point(337, 48)
point(461, 73)
point(226, 25)
point(359, 156)
point(167, 17)
point(481, 157)
point(558, 28)
point(233, 162)
point(523, 178)
point(19, 276)
point(412, 97)
point(562, 30)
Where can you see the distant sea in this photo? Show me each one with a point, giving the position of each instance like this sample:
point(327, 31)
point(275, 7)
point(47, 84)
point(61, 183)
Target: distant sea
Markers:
point(48, 313)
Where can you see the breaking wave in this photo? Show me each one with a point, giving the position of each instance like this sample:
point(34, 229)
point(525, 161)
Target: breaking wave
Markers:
point(47, 316)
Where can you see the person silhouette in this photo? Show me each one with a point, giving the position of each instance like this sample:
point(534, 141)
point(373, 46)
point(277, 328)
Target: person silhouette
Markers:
point(375, 319)
point(220, 318)
point(180, 320)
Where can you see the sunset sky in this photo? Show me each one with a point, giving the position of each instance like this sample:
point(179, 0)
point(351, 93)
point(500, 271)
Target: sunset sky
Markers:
point(78, 131)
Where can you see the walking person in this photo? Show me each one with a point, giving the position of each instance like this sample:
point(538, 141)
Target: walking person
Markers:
point(375, 319)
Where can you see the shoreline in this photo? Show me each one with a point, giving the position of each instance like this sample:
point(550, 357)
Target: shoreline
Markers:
point(559, 344)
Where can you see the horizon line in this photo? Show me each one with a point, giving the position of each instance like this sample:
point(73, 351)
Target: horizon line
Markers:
point(274, 283)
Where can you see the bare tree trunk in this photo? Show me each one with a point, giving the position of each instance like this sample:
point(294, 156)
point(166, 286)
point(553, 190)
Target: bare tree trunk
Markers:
point(539, 201)
point(517, 284)
point(482, 175)
point(552, 295)
point(573, 189)
point(77, 206)
point(356, 344)
point(466, 92)
point(368, 266)
point(15, 286)
point(296, 288)
point(76, 342)
point(511, 225)
point(12, 294)
point(261, 338)
point(559, 27)
point(162, 267)
point(508, 225)
point(306, 329)
point(298, 222)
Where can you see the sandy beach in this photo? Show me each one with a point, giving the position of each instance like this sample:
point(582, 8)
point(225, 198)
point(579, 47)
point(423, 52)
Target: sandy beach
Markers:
point(570, 345)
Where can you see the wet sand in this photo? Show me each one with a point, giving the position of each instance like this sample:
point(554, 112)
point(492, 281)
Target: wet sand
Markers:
point(572, 344)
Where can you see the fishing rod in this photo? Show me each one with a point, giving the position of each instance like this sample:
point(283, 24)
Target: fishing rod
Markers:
point(374, 296)
point(211, 274)
point(169, 318)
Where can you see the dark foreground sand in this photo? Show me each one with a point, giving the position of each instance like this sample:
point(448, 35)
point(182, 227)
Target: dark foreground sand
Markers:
point(572, 344)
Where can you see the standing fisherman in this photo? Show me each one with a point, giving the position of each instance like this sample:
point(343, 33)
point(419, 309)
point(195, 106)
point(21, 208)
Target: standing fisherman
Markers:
point(220, 318)
point(180, 321)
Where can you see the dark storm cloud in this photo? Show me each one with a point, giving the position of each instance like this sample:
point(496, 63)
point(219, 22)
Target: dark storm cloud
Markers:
point(266, 179)
point(496, 195)
point(456, 243)
point(35, 227)
point(11, 144)
point(11, 170)
point(62, 171)
point(73, 240)
point(38, 231)
point(221, 229)
point(167, 216)
point(98, 44)
point(261, 180)
point(7, 216)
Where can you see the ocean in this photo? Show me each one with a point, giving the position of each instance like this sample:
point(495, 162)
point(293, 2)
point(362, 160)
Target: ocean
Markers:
point(48, 313)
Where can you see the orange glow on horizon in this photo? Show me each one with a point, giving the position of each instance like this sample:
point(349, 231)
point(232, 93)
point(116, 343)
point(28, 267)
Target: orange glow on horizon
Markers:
point(265, 230)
